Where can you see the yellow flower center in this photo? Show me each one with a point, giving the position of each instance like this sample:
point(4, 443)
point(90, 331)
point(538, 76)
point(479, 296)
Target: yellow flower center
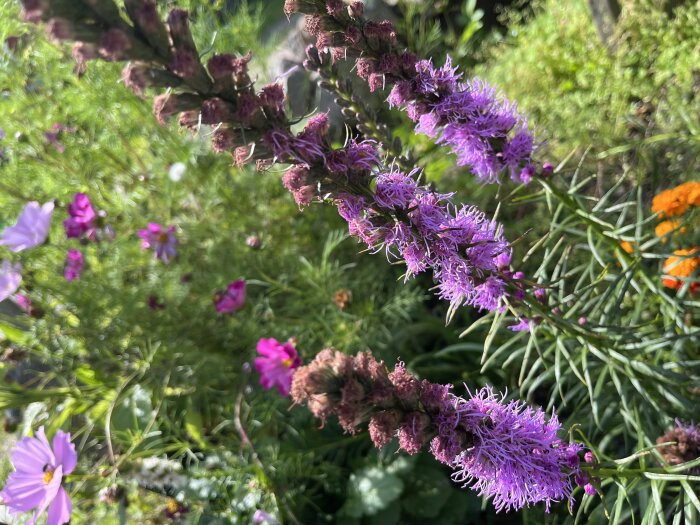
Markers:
point(287, 362)
point(163, 238)
point(48, 475)
point(172, 506)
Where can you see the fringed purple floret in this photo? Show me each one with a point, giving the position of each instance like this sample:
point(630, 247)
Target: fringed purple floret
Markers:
point(462, 247)
point(515, 456)
point(482, 128)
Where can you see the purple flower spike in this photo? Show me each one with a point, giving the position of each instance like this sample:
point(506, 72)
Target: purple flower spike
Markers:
point(31, 229)
point(162, 240)
point(515, 456)
point(36, 482)
point(277, 364)
point(232, 299)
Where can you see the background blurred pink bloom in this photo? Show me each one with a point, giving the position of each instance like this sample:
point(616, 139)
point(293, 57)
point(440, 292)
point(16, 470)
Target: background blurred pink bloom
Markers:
point(53, 135)
point(277, 364)
point(10, 278)
point(82, 218)
point(75, 262)
point(262, 517)
point(162, 240)
point(36, 482)
point(31, 229)
point(232, 299)
point(24, 302)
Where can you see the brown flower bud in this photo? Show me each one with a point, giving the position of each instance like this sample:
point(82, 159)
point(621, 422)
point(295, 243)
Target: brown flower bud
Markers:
point(167, 105)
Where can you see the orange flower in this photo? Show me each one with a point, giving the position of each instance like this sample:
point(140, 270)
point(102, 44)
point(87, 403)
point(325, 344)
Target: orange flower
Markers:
point(667, 227)
point(627, 246)
point(676, 201)
point(683, 263)
point(692, 192)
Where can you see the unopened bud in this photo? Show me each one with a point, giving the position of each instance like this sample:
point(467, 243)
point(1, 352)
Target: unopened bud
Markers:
point(223, 139)
point(165, 106)
point(356, 9)
point(114, 45)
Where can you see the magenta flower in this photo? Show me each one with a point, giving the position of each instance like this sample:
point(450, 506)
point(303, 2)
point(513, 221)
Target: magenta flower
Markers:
point(277, 364)
point(24, 302)
point(232, 299)
point(162, 240)
point(82, 219)
point(36, 482)
point(31, 229)
point(10, 278)
point(75, 262)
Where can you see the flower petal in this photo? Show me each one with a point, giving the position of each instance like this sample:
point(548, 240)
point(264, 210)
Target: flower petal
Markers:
point(24, 492)
point(60, 509)
point(31, 455)
point(51, 491)
point(64, 451)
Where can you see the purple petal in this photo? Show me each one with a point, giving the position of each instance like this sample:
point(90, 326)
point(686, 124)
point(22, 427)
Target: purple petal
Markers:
point(60, 509)
point(31, 455)
point(64, 451)
point(51, 491)
point(24, 491)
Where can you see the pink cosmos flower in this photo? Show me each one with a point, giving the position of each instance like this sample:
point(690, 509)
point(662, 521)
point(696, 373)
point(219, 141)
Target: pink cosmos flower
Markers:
point(232, 299)
point(31, 229)
point(277, 364)
point(161, 239)
point(24, 302)
point(36, 482)
point(75, 262)
point(10, 278)
point(82, 219)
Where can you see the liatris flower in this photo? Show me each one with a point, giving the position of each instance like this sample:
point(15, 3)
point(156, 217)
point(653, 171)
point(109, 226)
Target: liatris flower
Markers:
point(162, 240)
point(232, 299)
point(685, 447)
point(82, 220)
point(10, 278)
point(36, 482)
point(479, 125)
point(74, 265)
point(515, 456)
point(461, 246)
point(465, 251)
point(676, 201)
point(31, 229)
point(506, 451)
point(683, 263)
point(276, 364)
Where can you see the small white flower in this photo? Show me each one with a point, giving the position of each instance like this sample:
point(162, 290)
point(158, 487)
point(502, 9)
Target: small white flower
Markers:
point(177, 171)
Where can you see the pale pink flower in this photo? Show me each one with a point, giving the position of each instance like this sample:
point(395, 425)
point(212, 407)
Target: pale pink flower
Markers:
point(10, 278)
point(31, 229)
